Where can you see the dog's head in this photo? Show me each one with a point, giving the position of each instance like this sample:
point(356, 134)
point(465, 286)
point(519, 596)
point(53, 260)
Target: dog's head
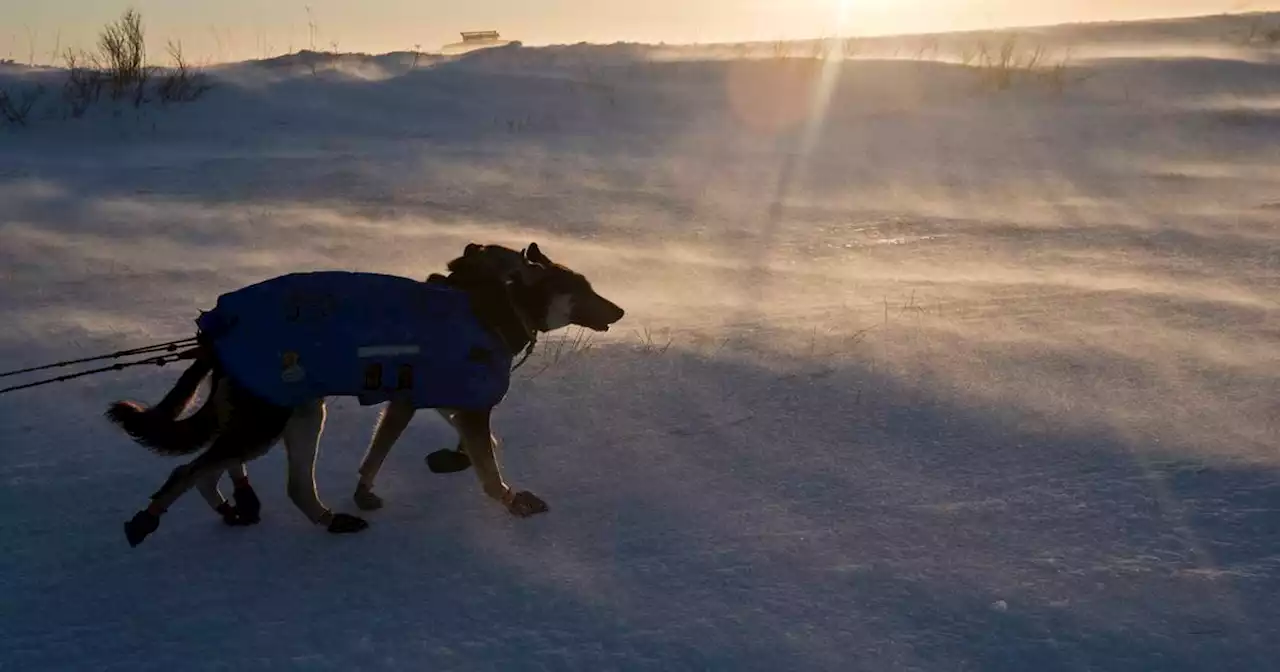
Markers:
point(557, 296)
point(551, 294)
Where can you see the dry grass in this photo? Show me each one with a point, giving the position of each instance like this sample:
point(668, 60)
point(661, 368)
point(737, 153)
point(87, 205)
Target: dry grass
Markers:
point(564, 349)
point(1007, 65)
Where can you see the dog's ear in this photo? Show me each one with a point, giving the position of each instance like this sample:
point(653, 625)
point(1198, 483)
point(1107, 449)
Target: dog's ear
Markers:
point(472, 259)
point(489, 261)
point(535, 255)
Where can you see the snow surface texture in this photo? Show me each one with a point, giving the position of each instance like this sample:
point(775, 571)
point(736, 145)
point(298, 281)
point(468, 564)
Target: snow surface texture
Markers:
point(914, 376)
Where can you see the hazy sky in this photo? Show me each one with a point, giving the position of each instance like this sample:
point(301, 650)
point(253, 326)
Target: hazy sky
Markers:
point(220, 30)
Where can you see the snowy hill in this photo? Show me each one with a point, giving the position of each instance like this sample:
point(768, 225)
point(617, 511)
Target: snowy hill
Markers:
point(919, 372)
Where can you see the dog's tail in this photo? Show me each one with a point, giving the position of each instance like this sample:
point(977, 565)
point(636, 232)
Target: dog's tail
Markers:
point(159, 428)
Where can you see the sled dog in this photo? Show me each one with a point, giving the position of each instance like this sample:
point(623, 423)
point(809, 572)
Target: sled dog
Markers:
point(514, 295)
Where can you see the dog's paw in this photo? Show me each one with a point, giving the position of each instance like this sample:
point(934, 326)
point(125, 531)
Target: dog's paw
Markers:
point(524, 504)
point(244, 520)
point(448, 461)
point(344, 523)
point(142, 524)
point(248, 506)
point(228, 514)
point(239, 520)
point(366, 499)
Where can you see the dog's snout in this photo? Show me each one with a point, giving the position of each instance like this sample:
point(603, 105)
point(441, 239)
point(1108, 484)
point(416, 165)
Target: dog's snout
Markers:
point(609, 312)
point(615, 312)
point(601, 314)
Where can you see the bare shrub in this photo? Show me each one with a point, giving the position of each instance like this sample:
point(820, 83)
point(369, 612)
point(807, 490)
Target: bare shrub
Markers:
point(852, 47)
point(1055, 75)
point(998, 69)
point(122, 53)
point(119, 67)
point(181, 83)
point(927, 49)
point(1259, 32)
point(85, 80)
point(14, 109)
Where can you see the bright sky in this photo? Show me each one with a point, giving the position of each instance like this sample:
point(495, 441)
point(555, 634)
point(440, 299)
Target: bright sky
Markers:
point(220, 30)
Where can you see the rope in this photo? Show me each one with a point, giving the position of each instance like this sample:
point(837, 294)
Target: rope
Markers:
point(530, 332)
point(171, 346)
point(158, 360)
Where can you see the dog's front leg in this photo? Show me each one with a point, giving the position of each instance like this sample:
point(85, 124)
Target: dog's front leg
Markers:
point(477, 437)
point(302, 446)
point(391, 424)
point(446, 461)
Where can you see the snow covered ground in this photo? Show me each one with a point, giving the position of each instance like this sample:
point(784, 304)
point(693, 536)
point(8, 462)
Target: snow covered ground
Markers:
point(915, 375)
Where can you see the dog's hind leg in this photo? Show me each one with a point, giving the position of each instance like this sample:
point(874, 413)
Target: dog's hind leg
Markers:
point(207, 486)
point(477, 436)
point(391, 424)
point(208, 466)
point(302, 446)
point(247, 507)
point(249, 435)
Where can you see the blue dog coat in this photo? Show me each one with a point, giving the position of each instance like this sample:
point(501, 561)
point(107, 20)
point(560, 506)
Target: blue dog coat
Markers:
point(302, 336)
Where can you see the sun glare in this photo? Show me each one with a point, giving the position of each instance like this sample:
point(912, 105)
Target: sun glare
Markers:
point(853, 17)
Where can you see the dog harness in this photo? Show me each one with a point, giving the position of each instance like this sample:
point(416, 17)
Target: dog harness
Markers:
point(302, 336)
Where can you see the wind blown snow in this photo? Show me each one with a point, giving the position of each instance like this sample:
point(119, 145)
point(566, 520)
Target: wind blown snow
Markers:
point(915, 375)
